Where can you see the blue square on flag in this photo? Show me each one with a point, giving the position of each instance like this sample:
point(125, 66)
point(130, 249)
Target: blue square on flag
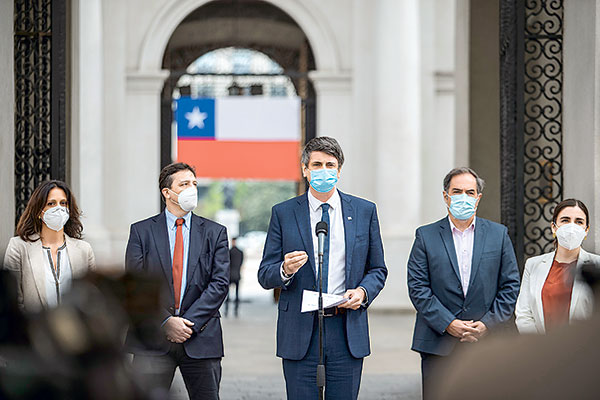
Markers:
point(195, 118)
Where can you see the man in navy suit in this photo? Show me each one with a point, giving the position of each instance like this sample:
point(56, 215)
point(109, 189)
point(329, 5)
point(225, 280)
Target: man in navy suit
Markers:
point(189, 255)
point(353, 266)
point(463, 277)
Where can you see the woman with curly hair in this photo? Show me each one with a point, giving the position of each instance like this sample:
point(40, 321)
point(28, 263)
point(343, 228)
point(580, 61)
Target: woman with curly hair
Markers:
point(48, 253)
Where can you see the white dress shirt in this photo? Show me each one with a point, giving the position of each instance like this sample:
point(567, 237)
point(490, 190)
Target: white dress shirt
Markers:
point(463, 244)
point(336, 283)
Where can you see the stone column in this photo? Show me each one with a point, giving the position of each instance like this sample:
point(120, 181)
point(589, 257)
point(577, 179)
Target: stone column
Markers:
point(334, 118)
point(397, 165)
point(440, 140)
point(88, 157)
point(142, 142)
point(7, 126)
point(581, 110)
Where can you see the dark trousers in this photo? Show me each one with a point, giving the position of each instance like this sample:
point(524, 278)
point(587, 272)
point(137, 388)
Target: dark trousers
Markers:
point(237, 298)
point(201, 376)
point(342, 371)
point(432, 369)
point(429, 365)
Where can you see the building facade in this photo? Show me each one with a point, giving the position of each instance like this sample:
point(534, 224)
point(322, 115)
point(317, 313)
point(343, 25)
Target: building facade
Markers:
point(410, 89)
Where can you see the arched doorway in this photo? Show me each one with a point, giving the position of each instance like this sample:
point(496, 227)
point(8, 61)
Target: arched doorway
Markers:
point(145, 80)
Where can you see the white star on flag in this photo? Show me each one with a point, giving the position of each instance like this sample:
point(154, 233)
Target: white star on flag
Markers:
point(196, 118)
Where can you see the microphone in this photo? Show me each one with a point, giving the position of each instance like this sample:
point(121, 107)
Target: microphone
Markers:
point(321, 231)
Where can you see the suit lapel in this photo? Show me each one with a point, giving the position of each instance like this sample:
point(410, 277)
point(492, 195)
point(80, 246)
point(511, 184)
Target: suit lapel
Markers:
point(36, 256)
point(446, 234)
point(161, 241)
point(478, 245)
point(349, 217)
point(196, 247)
point(303, 220)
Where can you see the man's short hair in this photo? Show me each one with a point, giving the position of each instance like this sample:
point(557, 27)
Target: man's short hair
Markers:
point(325, 144)
point(462, 171)
point(165, 179)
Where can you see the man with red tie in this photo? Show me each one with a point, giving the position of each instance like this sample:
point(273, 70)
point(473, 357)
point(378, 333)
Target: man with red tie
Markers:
point(190, 256)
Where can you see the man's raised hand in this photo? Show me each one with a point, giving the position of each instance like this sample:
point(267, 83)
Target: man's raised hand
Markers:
point(293, 261)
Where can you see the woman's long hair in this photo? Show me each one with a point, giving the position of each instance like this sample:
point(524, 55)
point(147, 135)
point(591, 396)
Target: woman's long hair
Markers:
point(30, 223)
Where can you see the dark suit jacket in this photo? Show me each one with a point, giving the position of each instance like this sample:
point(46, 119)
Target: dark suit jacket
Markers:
point(237, 259)
point(207, 279)
point(435, 288)
point(289, 230)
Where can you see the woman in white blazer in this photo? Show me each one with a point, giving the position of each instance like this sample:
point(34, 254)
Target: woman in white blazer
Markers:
point(48, 253)
point(553, 292)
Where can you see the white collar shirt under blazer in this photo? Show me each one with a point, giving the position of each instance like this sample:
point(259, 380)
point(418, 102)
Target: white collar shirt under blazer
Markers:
point(529, 311)
point(337, 243)
point(58, 280)
point(463, 245)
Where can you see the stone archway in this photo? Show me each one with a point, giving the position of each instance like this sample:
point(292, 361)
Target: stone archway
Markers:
point(314, 25)
point(332, 83)
point(144, 83)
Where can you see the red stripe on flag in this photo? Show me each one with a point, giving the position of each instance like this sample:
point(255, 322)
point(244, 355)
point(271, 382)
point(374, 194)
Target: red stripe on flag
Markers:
point(241, 160)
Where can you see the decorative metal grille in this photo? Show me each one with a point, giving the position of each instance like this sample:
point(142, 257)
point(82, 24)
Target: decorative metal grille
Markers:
point(39, 95)
point(531, 120)
point(542, 123)
point(511, 168)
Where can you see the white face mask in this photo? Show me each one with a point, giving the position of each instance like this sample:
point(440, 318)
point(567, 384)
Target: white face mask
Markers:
point(55, 218)
point(187, 198)
point(570, 236)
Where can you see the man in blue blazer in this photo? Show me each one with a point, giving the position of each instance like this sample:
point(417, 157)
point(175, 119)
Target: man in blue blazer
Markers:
point(353, 266)
point(189, 255)
point(463, 277)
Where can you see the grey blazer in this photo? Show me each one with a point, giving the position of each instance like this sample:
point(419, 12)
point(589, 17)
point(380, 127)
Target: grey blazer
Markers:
point(530, 312)
point(25, 260)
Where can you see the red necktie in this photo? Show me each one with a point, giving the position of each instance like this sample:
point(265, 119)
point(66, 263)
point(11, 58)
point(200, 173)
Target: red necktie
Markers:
point(178, 261)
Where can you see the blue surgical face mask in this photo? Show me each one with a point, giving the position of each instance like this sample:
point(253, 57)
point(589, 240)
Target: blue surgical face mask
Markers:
point(462, 206)
point(323, 180)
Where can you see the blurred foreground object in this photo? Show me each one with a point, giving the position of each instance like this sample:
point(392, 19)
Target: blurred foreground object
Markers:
point(75, 350)
point(561, 365)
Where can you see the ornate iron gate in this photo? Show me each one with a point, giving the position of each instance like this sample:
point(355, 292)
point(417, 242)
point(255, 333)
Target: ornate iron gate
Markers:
point(531, 120)
point(40, 95)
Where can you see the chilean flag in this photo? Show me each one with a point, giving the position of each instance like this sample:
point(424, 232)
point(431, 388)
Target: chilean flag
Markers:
point(240, 137)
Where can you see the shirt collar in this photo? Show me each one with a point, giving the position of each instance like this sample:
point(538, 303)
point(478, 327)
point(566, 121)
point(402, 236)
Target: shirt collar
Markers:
point(334, 201)
point(453, 227)
point(171, 219)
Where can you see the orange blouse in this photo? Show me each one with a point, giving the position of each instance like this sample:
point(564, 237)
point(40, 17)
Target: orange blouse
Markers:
point(556, 294)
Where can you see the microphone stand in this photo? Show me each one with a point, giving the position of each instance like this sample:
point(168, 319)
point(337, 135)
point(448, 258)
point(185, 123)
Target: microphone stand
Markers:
point(321, 230)
point(321, 366)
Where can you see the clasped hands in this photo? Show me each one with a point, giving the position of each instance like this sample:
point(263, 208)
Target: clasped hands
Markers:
point(294, 260)
point(467, 331)
point(178, 329)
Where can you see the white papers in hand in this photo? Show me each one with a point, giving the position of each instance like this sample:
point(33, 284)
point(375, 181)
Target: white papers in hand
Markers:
point(310, 300)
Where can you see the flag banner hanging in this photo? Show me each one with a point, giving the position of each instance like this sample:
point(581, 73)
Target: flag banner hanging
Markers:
point(240, 137)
